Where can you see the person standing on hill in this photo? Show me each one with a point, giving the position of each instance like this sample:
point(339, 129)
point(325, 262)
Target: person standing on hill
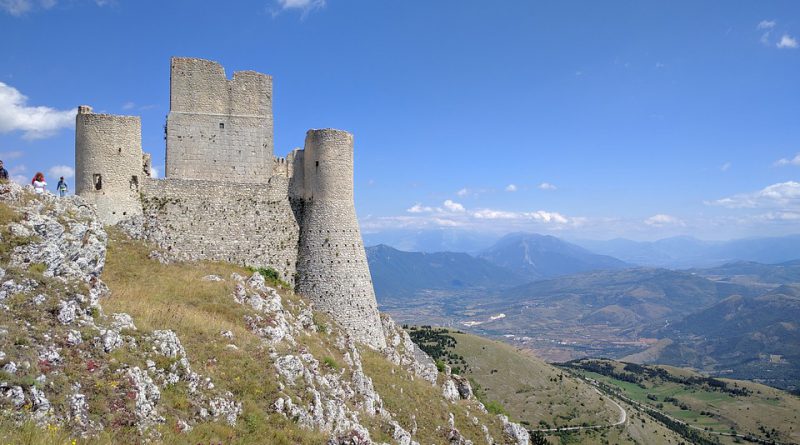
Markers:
point(62, 187)
point(3, 173)
point(39, 183)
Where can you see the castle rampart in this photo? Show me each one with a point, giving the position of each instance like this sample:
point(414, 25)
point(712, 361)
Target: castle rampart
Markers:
point(250, 224)
point(227, 198)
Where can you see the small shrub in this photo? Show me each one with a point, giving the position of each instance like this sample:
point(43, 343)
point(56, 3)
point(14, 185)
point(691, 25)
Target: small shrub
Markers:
point(330, 363)
point(272, 276)
point(37, 268)
point(495, 407)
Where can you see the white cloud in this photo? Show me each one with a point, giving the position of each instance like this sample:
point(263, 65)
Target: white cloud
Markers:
point(784, 194)
point(766, 24)
point(9, 155)
point(128, 105)
point(16, 7)
point(539, 216)
point(787, 41)
point(724, 167)
point(304, 5)
point(547, 186)
point(662, 220)
point(153, 172)
point(446, 222)
point(57, 171)
point(511, 188)
point(22, 7)
point(419, 208)
point(784, 161)
point(453, 206)
point(35, 122)
point(463, 192)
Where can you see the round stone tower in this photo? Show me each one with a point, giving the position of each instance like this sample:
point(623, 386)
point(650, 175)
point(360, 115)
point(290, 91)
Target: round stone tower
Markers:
point(109, 163)
point(332, 267)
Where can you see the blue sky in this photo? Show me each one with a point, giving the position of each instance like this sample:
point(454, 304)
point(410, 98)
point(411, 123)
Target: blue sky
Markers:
point(638, 119)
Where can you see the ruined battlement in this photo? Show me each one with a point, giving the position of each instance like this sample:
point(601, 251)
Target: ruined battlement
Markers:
point(201, 86)
point(218, 129)
point(226, 197)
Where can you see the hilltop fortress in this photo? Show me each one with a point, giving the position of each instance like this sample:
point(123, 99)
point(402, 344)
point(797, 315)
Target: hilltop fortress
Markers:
point(227, 197)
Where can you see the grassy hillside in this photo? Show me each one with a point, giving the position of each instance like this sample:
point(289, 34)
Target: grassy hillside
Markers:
point(708, 405)
point(537, 394)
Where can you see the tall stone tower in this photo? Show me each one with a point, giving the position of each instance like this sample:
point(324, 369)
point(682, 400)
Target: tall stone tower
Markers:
point(109, 166)
point(332, 265)
point(218, 129)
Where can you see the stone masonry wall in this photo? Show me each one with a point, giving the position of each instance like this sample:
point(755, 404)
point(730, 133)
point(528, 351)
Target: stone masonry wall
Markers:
point(250, 224)
point(108, 163)
point(332, 269)
point(219, 129)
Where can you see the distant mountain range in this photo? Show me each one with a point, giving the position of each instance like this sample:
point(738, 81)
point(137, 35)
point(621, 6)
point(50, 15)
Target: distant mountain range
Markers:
point(622, 303)
point(741, 337)
point(686, 252)
point(680, 252)
point(543, 256)
point(562, 301)
point(514, 260)
point(403, 274)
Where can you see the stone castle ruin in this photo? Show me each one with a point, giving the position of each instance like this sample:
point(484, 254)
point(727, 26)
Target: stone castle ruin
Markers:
point(226, 197)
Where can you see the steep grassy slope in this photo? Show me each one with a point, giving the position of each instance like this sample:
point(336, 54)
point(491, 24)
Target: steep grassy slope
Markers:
point(539, 395)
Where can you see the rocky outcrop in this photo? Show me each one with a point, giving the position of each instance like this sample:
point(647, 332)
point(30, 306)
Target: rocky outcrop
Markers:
point(50, 302)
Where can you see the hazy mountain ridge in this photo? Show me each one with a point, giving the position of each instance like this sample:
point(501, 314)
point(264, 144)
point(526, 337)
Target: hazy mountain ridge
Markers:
point(744, 337)
point(544, 256)
point(401, 274)
point(686, 251)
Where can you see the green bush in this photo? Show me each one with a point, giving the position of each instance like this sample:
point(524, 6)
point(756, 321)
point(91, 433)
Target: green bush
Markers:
point(272, 276)
point(330, 363)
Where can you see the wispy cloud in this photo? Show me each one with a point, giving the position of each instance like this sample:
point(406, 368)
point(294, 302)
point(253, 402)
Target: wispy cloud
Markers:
point(766, 24)
point(725, 167)
point(788, 41)
point(463, 192)
point(128, 106)
point(10, 155)
point(546, 186)
point(35, 122)
point(57, 171)
point(511, 188)
point(784, 161)
point(419, 208)
point(539, 215)
point(306, 6)
point(17, 174)
point(663, 220)
point(21, 7)
point(784, 194)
